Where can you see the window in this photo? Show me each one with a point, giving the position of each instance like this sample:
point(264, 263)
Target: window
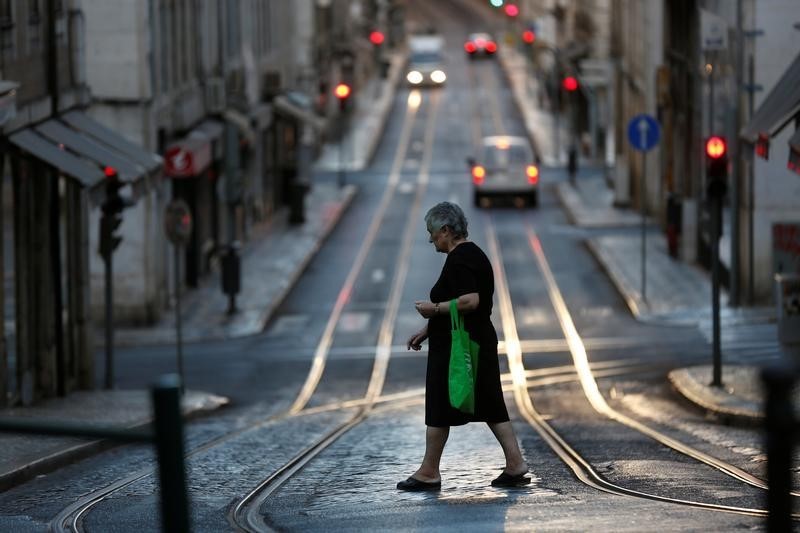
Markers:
point(6, 14)
point(7, 33)
point(35, 25)
point(164, 47)
point(233, 39)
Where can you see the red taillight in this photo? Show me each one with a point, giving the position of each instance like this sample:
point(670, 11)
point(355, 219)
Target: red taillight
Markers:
point(478, 174)
point(533, 174)
point(491, 47)
point(470, 47)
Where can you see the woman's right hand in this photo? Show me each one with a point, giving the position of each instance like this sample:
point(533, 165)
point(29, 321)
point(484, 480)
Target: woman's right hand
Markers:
point(415, 341)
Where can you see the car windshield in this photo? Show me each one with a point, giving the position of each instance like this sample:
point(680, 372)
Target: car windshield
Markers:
point(425, 56)
point(512, 156)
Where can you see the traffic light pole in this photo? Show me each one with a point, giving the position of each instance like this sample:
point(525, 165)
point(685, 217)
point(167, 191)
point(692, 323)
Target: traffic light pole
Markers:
point(716, 212)
point(178, 329)
point(109, 324)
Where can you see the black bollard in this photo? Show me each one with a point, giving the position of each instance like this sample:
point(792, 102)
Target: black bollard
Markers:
point(779, 426)
point(168, 425)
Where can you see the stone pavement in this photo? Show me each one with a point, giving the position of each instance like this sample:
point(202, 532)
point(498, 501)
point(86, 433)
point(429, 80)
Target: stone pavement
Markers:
point(272, 260)
point(676, 293)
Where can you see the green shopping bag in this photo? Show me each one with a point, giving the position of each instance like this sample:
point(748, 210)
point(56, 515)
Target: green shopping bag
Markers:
point(463, 364)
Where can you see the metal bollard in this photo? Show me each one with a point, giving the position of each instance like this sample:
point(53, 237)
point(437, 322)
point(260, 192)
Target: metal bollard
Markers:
point(779, 426)
point(168, 427)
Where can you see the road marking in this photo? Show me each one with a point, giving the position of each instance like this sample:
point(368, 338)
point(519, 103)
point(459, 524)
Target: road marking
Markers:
point(378, 275)
point(354, 322)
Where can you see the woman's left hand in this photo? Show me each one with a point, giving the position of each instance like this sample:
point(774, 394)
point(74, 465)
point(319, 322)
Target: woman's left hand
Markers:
point(425, 308)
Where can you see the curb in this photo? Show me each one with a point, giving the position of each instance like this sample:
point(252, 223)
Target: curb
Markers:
point(619, 284)
point(78, 452)
point(518, 103)
point(747, 414)
point(266, 315)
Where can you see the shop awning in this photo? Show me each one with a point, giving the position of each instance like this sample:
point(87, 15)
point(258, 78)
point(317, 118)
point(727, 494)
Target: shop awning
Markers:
point(87, 174)
point(242, 123)
point(82, 171)
point(82, 145)
point(778, 109)
point(103, 135)
point(212, 131)
point(284, 105)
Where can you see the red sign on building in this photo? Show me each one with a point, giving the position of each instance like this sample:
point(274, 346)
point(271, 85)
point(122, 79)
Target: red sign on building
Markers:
point(187, 158)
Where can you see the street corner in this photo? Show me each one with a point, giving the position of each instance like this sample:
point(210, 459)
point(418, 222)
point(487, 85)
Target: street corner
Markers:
point(739, 399)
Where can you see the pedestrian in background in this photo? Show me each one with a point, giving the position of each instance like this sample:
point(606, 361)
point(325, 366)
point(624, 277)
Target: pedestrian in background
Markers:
point(466, 277)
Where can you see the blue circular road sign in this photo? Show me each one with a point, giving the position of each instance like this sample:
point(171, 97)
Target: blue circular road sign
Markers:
point(643, 132)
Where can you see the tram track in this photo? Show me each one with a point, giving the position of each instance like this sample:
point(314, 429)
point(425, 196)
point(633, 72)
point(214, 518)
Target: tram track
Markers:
point(580, 466)
point(245, 515)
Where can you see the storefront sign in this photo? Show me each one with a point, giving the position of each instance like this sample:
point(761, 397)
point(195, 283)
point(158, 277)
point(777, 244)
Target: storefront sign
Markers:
point(187, 158)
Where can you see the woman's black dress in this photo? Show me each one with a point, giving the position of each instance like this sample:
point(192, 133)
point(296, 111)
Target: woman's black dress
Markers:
point(466, 270)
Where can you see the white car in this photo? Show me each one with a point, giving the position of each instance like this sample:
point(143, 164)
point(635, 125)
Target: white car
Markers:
point(506, 167)
point(425, 61)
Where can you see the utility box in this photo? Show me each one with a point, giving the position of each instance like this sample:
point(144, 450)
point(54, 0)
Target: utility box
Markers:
point(787, 298)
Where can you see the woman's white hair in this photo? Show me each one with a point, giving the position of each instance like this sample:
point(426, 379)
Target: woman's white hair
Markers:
point(447, 214)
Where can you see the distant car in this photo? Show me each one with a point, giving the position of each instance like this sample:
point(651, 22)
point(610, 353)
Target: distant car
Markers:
point(425, 61)
point(480, 44)
point(506, 167)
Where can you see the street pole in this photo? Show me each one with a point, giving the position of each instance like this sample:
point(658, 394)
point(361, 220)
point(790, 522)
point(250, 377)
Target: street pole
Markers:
point(734, 292)
point(644, 227)
point(750, 192)
point(340, 173)
point(178, 332)
point(109, 383)
point(716, 218)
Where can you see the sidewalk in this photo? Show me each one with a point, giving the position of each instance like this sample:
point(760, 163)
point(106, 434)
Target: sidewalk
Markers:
point(676, 293)
point(23, 457)
point(272, 260)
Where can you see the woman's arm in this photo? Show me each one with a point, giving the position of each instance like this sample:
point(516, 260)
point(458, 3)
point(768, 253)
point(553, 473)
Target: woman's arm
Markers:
point(466, 303)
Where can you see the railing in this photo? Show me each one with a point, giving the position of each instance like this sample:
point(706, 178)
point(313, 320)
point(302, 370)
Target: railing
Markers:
point(166, 434)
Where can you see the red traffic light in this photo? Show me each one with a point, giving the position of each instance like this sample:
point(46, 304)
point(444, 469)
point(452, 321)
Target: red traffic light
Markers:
point(512, 10)
point(570, 83)
point(716, 147)
point(110, 172)
point(342, 91)
point(376, 38)
point(528, 36)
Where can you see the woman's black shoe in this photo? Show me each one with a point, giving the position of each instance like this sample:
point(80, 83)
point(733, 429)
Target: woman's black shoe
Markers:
point(507, 480)
point(414, 484)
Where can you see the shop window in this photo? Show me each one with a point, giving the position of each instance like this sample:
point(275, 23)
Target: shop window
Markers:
point(7, 29)
point(35, 26)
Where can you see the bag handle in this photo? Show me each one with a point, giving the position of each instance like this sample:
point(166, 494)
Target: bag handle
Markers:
point(456, 319)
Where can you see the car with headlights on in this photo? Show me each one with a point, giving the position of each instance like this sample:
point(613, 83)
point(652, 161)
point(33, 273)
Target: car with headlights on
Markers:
point(425, 61)
point(480, 45)
point(507, 167)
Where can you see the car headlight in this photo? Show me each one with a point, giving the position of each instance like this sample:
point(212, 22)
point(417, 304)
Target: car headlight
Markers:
point(414, 77)
point(437, 76)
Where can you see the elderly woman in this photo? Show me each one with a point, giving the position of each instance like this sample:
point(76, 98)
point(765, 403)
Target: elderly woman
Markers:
point(466, 277)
